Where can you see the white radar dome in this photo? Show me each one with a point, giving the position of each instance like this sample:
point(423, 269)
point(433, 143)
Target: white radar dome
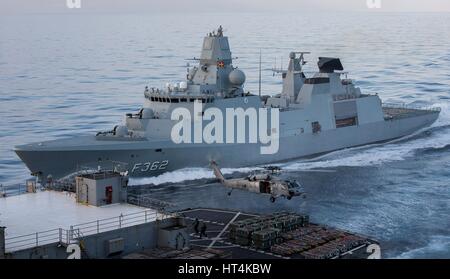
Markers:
point(237, 77)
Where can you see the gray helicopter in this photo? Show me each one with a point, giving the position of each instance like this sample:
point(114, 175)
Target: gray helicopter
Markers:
point(265, 184)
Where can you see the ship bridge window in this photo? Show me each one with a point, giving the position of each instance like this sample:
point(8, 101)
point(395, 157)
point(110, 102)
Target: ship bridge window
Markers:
point(165, 100)
point(317, 80)
point(179, 100)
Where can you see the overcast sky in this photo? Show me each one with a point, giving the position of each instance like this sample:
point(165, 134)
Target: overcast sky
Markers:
point(139, 6)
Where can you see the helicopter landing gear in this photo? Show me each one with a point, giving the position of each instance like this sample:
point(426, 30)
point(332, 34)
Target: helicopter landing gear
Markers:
point(272, 199)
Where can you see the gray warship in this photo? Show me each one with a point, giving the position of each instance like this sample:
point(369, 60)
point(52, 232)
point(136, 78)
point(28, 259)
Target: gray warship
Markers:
point(317, 114)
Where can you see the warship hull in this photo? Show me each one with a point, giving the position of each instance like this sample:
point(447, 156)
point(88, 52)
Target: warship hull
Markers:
point(147, 158)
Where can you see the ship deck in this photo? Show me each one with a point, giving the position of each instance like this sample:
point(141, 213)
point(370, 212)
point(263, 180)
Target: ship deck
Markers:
point(218, 221)
point(45, 210)
point(406, 112)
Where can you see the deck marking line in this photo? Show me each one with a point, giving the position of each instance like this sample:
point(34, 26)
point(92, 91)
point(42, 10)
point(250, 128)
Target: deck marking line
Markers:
point(205, 221)
point(223, 230)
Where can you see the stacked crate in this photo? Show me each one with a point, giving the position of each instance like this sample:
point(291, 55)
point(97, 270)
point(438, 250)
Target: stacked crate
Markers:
point(265, 238)
point(287, 234)
point(316, 242)
point(263, 232)
point(291, 222)
point(195, 254)
point(239, 225)
point(243, 235)
point(300, 232)
point(305, 220)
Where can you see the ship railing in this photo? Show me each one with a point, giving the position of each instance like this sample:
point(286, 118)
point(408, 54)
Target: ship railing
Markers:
point(114, 223)
point(149, 202)
point(76, 232)
point(61, 185)
point(33, 240)
point(163, 97)
point(15, 189)
point(344, 97)
point(12, 190)
point(411, 107)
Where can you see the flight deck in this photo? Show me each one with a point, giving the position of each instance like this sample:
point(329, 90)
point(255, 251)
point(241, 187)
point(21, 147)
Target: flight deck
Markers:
point(305, 241)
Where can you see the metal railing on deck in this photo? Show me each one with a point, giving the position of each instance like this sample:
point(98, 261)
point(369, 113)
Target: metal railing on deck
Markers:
point(114, 223)
point(149, 202)
point(33, 240)
point(13, 190)
point(410, 106)
point(76, 232)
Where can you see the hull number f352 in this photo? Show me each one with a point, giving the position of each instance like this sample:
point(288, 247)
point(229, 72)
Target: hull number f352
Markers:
point(150, 166)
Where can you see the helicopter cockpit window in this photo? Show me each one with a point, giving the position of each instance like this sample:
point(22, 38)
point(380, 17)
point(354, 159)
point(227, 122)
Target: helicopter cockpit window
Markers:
point(264, 187)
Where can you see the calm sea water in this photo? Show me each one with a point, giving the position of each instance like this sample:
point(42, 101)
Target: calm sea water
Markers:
point(69, 75)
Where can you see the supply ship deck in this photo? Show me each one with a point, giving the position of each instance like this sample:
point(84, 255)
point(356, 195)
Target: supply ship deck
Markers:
point(229, 234)
point(298, 240)
point(46, 222)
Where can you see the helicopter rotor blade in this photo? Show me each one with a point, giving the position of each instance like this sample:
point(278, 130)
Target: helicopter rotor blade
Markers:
point(275, 168)
point(329, 171)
